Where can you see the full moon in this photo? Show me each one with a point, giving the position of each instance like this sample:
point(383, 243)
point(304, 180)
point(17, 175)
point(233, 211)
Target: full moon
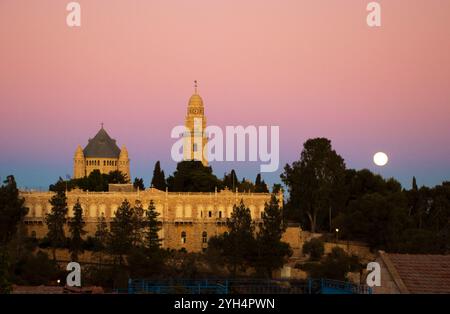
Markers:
point(380, 159)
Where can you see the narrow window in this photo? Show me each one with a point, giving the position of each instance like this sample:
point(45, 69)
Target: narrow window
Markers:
point(183, 237)
point(204, 237)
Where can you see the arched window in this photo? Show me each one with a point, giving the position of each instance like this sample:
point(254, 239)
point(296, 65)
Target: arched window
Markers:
point(104, 162)
point(210, 214)
point(220, 214)
point(204, 237)
point(183, 237)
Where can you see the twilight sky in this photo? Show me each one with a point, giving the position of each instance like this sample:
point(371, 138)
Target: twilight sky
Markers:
point(312, 67)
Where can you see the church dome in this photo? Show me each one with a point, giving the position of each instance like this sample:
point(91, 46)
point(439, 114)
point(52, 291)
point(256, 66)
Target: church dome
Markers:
point(102, 146)
point(195, 101)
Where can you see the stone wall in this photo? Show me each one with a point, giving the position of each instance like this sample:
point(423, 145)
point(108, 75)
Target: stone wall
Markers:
point(189, 214)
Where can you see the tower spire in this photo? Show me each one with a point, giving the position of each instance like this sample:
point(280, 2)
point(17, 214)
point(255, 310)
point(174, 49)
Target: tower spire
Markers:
point(195, 87)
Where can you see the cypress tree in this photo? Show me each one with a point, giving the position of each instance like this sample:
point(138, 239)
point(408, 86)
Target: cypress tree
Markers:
point(56, 220)
point(76, 225)
point(159, 179)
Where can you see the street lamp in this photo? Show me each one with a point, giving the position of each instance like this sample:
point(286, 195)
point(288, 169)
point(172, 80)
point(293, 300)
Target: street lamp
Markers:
point(337, 235)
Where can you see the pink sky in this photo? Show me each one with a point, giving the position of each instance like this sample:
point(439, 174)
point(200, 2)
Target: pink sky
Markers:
point(313, 67)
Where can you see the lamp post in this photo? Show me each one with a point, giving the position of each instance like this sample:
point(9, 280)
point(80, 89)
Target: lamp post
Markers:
point(337, 235)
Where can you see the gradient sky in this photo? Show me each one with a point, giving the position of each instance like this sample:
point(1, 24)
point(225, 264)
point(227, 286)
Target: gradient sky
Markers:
point(313, 67)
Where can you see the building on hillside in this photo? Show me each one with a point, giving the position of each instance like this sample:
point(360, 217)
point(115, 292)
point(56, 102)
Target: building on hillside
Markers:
point(188, 219)
point(101, 153)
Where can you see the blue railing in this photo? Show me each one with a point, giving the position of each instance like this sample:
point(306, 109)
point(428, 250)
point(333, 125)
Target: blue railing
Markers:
point(244, 286)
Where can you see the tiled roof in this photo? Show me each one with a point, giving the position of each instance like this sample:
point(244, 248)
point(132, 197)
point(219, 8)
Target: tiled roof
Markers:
point(422, 273)
point(102, 146)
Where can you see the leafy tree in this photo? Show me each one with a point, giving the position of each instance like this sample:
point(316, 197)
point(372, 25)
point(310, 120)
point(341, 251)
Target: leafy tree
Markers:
point(76, 228)
point(237, 246)
point(277, 188)
point(193, 176)
point(272, 252)
point(56, 220)
point(316, 183)
point(139, 184)
point(336, 265)
point(95, 182)
point(315, 248)
point(12, 211)
point(121, 234)
point(159, 179)
point(36, 269)
point(246, 186)
point(117, 177)
point(374, 218)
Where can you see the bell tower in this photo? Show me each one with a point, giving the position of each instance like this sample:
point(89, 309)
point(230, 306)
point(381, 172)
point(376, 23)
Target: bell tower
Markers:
point(79, 165)
point(195, 140)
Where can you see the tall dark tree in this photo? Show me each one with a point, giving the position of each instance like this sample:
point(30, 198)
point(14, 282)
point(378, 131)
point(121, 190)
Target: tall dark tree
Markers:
point(121, 234)
point(101, 237)
point(260, 185)
point(101, 232)
point(272, 252)
point(138, 184)
point(12, 213)
point(152, 228)
point(76, 228)
point(246, 186)
point(231, 180)
point(237, 246)
point(159, 179)
point(316, 183)
point(138, 221)
point(277, 188)
point(56, 220)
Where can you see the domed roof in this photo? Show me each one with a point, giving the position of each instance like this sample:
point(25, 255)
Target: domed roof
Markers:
point(102, 146)
point(195, 101)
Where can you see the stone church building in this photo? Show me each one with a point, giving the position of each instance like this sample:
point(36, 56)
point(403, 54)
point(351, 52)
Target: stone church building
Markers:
point(188, 219)
point(103, 154)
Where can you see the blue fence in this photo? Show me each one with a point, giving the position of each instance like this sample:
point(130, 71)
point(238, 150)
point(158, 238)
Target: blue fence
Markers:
point(243, 286)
